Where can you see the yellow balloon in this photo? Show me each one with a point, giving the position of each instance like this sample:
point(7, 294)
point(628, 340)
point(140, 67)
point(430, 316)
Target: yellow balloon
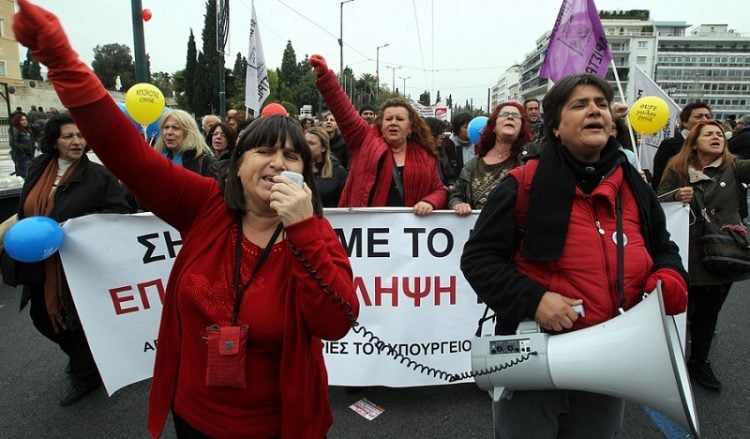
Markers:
point(648, 114)
point(144, 102)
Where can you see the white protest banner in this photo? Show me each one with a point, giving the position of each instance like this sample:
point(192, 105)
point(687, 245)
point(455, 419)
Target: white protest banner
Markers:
point(117, 267)
point(412, 296)
point(678, 224)
point(406, 272)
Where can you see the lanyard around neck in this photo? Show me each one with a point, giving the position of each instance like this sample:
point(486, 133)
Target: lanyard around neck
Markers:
point(240, 292)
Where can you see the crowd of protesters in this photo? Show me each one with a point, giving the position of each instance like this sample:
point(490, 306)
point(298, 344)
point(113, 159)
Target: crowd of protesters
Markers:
point(545, 157)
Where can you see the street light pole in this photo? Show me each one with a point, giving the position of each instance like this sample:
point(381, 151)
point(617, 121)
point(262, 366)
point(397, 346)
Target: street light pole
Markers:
point(341, 39)
point(139, 45)
point(377, 70)
point(393, 80)
point(403, 92)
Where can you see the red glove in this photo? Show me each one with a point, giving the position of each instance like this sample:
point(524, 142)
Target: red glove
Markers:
point(40, 31)
point(673, 289)
point(318, 63)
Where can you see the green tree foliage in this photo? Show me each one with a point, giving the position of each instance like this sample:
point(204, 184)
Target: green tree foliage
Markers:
point(236, 86)
point(111, 61)
point(289, 73)
point(208, 80)
point(163, 81)
point(30, 68)
point(188, 86)
point(178, 85)
point(202, 87)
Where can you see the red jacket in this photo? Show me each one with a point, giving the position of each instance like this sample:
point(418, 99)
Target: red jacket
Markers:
point(195, 206)
point(587, 268)
point(371, 161)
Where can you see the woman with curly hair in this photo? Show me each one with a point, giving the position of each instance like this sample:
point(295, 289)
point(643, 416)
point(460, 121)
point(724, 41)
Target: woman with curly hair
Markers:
point(498, 151)
point(394, 162)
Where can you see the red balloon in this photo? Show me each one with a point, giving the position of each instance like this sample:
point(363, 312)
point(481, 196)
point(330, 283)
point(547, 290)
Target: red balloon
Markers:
point(274, 110)
point(146, 14)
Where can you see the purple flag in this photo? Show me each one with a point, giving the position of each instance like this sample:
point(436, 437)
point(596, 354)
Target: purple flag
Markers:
point(577, 44)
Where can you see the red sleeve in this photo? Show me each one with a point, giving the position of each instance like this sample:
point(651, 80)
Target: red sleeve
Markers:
point(353, 128)
point(173, 193)
point(327, 317)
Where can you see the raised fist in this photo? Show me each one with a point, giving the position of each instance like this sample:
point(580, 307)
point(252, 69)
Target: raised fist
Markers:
point(318, 63)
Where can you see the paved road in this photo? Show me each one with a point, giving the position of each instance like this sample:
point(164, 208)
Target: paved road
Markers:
point(32, 378)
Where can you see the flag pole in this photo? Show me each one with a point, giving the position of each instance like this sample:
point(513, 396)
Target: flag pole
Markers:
point(627, 121)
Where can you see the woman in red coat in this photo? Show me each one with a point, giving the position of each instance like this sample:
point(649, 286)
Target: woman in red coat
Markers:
point(393, 162)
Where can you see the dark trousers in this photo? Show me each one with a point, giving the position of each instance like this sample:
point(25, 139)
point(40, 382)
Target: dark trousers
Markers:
point(71, 340)
point(704, 304)
point(557, 414)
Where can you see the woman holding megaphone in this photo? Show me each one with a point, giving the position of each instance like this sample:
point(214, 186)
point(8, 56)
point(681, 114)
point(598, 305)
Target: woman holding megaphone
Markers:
point(576, 225)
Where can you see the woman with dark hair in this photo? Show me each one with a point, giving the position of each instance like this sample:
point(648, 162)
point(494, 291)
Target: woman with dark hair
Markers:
point(500, 145)
point(394, 160)
point(64, 184)
point(330, 176)
point(549, 239)
point(21, 144)
point(705, 170)
point(261, 277)
point(458, 148)
point(223, 138)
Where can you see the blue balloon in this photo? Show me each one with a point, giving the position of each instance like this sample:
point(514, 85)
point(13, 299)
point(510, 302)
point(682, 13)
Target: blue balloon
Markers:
point(152, 129)
point(475, 128)
point(33, 239)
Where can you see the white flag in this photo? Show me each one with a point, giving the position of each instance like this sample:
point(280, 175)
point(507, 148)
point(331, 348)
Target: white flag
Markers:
point(256, 82)
point(642, 85)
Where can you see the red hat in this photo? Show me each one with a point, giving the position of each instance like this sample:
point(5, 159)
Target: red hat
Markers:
point(274, 110)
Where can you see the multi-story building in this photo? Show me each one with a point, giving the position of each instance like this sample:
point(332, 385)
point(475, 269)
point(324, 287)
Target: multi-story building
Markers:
point(710, 64)
point(530, 84)
point(506, 88)
point(10, 66)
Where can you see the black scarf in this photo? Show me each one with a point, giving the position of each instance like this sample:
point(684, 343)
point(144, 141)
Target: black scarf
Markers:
point(552, 193)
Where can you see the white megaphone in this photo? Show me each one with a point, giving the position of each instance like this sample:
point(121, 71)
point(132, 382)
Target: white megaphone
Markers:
point(636, 356)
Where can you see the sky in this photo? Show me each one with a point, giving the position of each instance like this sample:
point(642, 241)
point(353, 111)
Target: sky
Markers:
point(459, 48)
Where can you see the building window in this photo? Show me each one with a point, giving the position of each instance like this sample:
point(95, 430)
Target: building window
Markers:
point(640, 60)
point(2, 27)
point(2, 68)
point(642, 44)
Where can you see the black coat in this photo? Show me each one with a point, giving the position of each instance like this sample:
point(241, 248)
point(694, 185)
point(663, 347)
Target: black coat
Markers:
point(330, 189)
point(668, 148)
point(21, 142)
point(201, 165)
point(739, 145)
point(91, 189)
point(339, 149)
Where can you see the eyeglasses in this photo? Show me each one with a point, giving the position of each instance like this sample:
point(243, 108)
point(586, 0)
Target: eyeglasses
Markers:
point(513, 114)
